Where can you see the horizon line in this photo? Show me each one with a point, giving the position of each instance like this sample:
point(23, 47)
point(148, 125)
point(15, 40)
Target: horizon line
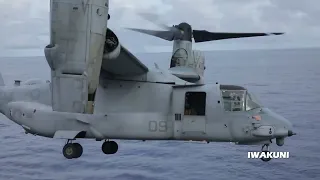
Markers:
point(213, 50)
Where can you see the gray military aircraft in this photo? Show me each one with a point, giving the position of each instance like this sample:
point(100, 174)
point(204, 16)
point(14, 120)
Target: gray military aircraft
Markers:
point(133, 102)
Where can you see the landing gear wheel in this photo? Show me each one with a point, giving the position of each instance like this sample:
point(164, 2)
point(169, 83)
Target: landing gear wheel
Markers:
point(265, 149)
point(72, 150)
point(109, 147)
point(265, 159)
point(79, 150)
point(69, 151)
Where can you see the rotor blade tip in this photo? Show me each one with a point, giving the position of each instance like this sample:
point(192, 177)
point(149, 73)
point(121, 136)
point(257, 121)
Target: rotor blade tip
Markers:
point(277, 33)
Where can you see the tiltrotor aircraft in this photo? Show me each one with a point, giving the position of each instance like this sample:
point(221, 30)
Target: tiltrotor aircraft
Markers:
point(99, 90)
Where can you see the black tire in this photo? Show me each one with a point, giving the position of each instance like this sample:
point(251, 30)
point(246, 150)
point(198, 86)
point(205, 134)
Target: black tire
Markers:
point(265, 159)
point(79, 150)
point(114, 147)
point(105, 147)
point(109, 147)
point(69, 151)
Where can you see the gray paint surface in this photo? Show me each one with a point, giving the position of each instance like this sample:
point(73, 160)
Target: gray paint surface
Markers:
point(68, 90)
point(123, 111)
point(275, 82)
point(75, 52)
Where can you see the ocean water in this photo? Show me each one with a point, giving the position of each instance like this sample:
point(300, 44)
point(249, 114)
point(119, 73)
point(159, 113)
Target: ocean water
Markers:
point(286, 81)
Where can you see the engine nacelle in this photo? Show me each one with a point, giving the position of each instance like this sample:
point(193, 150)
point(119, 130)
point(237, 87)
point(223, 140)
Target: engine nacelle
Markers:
point(199, 62)
point(112, 46)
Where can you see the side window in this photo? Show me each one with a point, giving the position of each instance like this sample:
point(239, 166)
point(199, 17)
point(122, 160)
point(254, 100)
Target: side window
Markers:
point(195, 103)
point(233, 100)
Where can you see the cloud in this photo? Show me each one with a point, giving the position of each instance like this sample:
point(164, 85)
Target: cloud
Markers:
point(298, 19)
point(25, 23)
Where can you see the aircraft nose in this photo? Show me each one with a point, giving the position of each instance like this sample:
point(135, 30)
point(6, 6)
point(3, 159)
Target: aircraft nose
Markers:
point(284, 126)
point(284, 129)
point(288, 125)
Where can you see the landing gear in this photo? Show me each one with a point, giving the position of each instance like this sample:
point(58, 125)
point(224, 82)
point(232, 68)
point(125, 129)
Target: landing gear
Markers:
point(72, 150)
point(265, 149)
point(75, 150)
point(109, 147)
point(79, 150)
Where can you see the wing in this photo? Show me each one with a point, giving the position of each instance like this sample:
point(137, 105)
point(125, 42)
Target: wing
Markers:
point(126, 64)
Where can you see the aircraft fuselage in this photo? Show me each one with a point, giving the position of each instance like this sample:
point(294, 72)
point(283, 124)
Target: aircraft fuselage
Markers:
point(142, 111)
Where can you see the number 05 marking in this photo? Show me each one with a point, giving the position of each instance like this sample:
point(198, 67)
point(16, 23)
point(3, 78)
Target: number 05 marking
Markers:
point(160, 126)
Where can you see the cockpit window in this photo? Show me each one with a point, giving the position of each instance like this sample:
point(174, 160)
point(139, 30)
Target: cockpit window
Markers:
point(252, 102)
point(234, 100)
point(237, 98)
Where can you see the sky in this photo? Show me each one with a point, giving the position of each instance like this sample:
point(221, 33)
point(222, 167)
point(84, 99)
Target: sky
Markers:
point(25, 23)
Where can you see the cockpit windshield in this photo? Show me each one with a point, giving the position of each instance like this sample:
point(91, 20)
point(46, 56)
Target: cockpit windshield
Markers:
point(237, 98)
point(252, 102)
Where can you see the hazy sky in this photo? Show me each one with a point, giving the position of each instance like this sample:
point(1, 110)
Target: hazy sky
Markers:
point(25, 23)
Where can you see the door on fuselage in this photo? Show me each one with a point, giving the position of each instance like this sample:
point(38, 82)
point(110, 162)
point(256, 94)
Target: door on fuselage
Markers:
point(194, 119)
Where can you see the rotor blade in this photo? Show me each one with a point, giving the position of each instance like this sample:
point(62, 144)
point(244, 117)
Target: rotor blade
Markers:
point(154, 19)
point(166, 35)
point(203, 35)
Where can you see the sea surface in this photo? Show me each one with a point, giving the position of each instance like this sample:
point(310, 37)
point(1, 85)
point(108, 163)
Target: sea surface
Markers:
point(286, 81)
